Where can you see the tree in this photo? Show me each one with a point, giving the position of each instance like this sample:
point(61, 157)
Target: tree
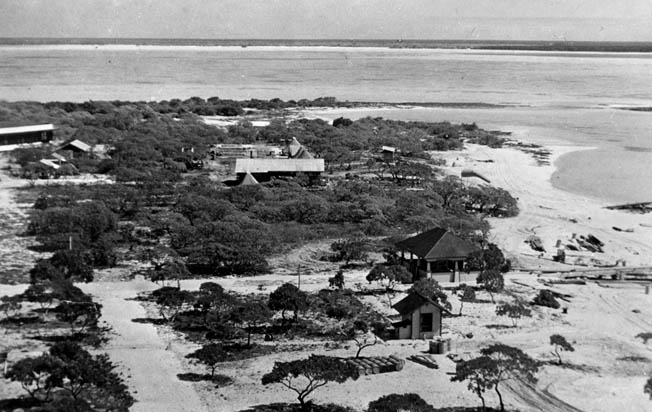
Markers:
point(648, 387)
point(546, 298)
point(316, 372)
point(39, 293)
point(210, 355)
point(69, 367)
point(80, 314)
point(431, 289)
point(250, 314)
point(288, 297)
point(171, 301)
point(468, 295)
point(337, 281)
point(388, 277)
point(489, 257)
point(508, 363)
point(514, 311)
point(172, 269)
point(492, 281)
point(10, 305)
point(73, 264)
point(560, 343)
point(34, 375)
point(479, 372)
point(351, 248)
point(360, 332)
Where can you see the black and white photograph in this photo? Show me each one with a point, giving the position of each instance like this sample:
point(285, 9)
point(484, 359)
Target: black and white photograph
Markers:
point(325, 206)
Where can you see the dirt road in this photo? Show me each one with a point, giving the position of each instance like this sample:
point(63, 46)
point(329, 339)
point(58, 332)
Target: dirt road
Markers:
point(149, 369)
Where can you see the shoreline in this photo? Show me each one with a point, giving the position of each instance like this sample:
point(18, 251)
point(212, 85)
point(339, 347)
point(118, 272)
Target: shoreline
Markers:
point(326, 48)
point(551, 213)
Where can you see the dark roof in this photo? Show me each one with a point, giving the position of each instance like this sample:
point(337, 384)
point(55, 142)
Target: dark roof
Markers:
point(413, 301)
point(437, 244)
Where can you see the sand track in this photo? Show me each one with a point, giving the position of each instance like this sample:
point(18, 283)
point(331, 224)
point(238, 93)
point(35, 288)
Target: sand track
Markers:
point(537, 399)
point(140, 351)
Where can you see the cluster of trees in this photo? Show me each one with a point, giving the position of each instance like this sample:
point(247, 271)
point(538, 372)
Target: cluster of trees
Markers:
point(69, 378)
point(224, 316)
point(149, 138)
point(217, 231)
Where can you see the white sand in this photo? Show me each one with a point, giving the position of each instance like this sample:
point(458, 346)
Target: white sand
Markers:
point(546, 211)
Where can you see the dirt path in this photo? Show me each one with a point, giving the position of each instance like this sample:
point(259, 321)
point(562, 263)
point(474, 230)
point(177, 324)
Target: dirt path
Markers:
point(536, 399)
point(149, 369)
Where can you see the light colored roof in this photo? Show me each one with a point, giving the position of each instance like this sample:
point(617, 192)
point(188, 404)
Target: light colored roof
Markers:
point(388, 149)
point(50, 163)
point(278, 165)
point(78, 144)
point(58, 157)
point(248, 180)
point(27, 129)
point(302, 153)
point(293, 147)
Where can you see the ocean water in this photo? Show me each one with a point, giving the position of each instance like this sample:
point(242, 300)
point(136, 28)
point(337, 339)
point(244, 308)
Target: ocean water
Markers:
point(544, 97)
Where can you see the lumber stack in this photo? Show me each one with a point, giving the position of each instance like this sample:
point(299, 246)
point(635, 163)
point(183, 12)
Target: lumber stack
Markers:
point(426, 360)
point(374, 365)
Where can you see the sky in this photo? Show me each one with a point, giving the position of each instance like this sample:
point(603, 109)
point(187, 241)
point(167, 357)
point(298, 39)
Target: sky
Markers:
point(590, 20)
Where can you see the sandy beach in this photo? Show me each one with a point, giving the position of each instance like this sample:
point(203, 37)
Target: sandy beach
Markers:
point(553, 214)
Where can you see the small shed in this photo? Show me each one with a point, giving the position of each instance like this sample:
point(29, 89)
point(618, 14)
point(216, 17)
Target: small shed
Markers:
point(437, 254)
point(75, 148)
point(389, 153)
point(420, 317)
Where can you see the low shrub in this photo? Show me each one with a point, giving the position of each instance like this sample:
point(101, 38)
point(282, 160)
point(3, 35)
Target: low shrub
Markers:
point(546, 298)
point(407, 402)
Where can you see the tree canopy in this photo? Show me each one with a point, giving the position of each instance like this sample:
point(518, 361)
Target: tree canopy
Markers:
point(306, 375)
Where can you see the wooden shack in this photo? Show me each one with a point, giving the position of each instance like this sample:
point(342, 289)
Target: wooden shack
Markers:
point(420, 317)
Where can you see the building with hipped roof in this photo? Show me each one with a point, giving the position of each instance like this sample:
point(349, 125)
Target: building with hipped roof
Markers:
point(436, 254)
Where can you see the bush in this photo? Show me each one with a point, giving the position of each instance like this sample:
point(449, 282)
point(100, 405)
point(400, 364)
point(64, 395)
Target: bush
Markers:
point(546, 298)
point(407, 402)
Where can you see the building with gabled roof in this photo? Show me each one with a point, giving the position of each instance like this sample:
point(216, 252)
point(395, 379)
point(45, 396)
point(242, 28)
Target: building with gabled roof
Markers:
point(248, 180)
point(265, 169)
point(75, 146)
point(437, 254)
point(420, 317)
point(40, 133)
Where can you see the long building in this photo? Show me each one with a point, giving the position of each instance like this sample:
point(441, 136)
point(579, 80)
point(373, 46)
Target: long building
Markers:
point(26, 134)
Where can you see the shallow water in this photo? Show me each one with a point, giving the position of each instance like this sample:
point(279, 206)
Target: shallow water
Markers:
point(550, 97)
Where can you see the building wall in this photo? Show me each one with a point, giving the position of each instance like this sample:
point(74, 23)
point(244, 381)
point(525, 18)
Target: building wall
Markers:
point(415, 332)
point(29, 137)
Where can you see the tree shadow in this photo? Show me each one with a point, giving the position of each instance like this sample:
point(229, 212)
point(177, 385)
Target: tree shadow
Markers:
point(499, 327)
point(93, 338)
point(635, 358)
point(21, 320)
point(572, 366)
point(153, 321)
point(19, 404)
point(218, 380)
point(295, 407)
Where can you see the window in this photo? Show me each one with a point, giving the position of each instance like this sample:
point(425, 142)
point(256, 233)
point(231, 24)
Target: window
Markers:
point(426, 322)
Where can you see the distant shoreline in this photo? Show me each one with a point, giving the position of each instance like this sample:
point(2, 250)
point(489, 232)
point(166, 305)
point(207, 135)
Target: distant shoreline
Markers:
point(486, 45)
